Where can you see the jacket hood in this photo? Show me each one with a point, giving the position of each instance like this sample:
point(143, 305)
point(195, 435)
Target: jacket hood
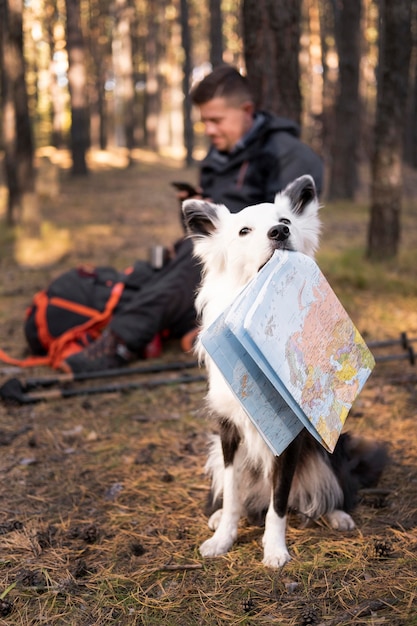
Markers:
point(275, 123)
point(265, 124)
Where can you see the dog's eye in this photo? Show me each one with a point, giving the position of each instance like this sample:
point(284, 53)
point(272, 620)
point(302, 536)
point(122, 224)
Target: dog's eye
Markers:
point(244, 231)
point(284, 220)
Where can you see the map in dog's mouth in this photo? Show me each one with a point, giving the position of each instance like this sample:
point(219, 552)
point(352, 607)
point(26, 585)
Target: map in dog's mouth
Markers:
point(263, 264)
point(284, 246)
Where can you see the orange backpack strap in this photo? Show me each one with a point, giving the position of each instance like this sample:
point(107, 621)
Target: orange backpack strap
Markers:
point(30, 361)
point(94, 325)
point(41, 301)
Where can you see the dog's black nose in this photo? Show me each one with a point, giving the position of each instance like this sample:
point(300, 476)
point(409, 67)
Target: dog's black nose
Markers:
point(280, 232)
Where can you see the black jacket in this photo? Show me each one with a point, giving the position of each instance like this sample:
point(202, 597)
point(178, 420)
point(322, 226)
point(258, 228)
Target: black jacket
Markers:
point(269, 157)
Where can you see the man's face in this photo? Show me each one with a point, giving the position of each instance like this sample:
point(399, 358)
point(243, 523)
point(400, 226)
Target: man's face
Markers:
point(226, 121)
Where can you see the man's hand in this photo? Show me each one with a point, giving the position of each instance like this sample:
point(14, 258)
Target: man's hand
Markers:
point(186, 191)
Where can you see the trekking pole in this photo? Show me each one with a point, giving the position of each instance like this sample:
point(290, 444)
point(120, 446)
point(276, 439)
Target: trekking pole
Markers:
point(48, 381)
point(403, 340)
point(15, 395)
point(408, 355)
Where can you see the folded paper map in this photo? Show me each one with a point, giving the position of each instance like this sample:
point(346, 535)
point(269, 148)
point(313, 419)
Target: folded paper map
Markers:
point(290, 353)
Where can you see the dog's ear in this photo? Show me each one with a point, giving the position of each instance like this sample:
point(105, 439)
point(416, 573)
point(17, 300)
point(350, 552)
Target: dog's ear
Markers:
point(301, 192)
point(201, 218)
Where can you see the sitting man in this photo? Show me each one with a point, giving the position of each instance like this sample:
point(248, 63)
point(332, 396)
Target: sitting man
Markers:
point(253, 155)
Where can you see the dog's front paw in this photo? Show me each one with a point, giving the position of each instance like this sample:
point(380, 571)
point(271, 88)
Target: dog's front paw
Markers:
point(276, 557)
point(214, 520)
point(340, 520)
point(216, 545)
point(273, 541)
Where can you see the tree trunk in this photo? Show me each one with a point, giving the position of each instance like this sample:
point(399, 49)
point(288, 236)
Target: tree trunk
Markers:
point(78, 89)
point(410, 138)
point(123, 66)
point(345, 140)
point(271, 35)
point(17, 131)
point(216, 32)
point(57, 110)
point(100, 50)
point(153, 91)
point(330, 74)
point(386, 188)
point(410, 152)
point(186, 82)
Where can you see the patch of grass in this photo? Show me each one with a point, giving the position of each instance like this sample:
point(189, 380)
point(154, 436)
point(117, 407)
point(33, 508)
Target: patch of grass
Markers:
point(342, 253)
point(350, 270)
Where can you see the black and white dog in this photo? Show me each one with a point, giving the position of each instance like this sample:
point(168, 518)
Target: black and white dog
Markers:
point(247, 479)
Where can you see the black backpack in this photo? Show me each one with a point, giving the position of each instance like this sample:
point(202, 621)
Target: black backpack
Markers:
point(75, 308)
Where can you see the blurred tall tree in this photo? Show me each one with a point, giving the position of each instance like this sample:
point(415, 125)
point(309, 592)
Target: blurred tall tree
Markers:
point(343, 175)
point(186, 82)
point(17, 131)
point(100, 52)
point(410, 147)
point(123, 69)
point(216, 32)
point(386, 186)
point(155, 13)
point(77, 81)
point(271, 35)
point(57, 113)
point(330, 75)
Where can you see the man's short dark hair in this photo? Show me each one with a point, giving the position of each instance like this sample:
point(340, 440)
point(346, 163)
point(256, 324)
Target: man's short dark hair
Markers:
point(224, 82)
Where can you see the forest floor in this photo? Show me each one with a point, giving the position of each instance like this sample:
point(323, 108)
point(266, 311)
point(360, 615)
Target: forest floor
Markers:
point(102, 496)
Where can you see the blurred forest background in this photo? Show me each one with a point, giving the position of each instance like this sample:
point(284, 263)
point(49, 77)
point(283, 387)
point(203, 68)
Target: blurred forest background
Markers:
point(99, 73)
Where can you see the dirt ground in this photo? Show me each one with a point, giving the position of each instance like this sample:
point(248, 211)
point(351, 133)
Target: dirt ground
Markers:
point(102, 496)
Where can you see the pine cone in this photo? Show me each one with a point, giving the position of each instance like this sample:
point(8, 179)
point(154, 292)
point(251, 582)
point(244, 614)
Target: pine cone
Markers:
point(309, 616)
point(6, 607)
point(382, 549)
point(248, 605)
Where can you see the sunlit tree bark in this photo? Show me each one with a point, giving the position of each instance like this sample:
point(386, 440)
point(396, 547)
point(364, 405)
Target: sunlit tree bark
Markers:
point(123, 67)
point(100, 51)
point(17, 131)
point(77, 79)
point(345, 138)
point(330, 72)
point(186, 83)
point(153, 82)
point(386, 187)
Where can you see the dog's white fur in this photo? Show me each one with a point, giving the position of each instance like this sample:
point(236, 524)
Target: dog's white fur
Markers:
point(232, 248)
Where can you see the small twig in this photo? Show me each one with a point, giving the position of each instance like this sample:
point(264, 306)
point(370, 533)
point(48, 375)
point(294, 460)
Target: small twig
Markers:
point(362, 610)
point(177, 567)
